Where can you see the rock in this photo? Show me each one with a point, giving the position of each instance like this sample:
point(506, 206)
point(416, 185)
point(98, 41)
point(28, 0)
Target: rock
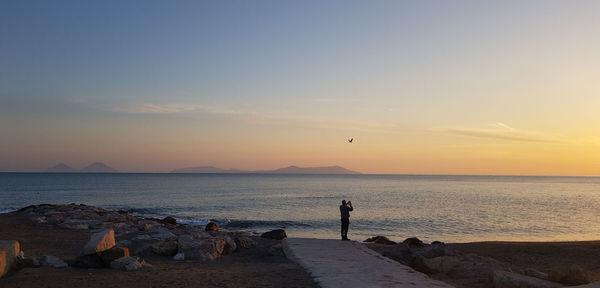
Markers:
point(179, 256)
point(89, 261)
point(243, 242)
point(413, 241)
point(21, 263)
point(274, 234)
point(505, 279)
point(100, 241)
point(380, 240)
point(535, 273)
point(434, 250)
point(75, 224)
point(211, 226)
point(472, 266)
point(401, 253)
point(9, 251)
point(200, 249)
point(169, 220)
point(442, 264)
point(570, 276)
point(112, 254)
point(126, 263)
point(165, 248)
point(591, 285)
point(51, 261)
point(276, 250)
point(161, 233)
point(230, 245)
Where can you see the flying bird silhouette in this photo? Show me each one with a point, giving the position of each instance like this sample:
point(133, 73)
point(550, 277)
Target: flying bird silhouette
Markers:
point(350, 140)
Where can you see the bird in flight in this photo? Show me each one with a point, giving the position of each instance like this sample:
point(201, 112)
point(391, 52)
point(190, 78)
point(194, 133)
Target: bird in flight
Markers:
point(350, 140)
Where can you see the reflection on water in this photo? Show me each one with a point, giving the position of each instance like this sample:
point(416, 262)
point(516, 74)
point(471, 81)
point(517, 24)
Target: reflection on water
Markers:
point(447, 208)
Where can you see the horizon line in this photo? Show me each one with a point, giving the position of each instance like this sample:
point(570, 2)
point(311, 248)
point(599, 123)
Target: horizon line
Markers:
point(330, 174)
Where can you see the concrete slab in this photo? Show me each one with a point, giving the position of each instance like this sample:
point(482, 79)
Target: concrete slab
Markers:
point(9, 249)
point(347, 264)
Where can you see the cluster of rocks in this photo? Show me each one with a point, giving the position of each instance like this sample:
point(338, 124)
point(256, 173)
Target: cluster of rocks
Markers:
point(470, 270)
point(142, 236)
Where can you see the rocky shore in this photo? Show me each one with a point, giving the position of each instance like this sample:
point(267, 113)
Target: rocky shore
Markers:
point(498, 264)
point(57, 243)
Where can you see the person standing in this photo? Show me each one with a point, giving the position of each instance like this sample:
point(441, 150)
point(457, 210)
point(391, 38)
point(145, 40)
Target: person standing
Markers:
point(345, 209)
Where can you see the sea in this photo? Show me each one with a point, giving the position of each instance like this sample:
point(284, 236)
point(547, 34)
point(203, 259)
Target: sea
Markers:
point(446, 208)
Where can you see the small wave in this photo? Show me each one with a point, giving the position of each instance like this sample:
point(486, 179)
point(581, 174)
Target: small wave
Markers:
point(7, 210)
point(192, 222)
point(245, 224)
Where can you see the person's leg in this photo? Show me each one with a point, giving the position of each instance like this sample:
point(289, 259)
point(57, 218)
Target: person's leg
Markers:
point(346, 228)
point(345, 223)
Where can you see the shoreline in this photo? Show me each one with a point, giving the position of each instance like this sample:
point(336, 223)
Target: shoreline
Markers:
point(47, 233)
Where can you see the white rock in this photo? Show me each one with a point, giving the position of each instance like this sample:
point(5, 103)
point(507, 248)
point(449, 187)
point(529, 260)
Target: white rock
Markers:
point(179, 256)
point(127, 263)
point(133, 266)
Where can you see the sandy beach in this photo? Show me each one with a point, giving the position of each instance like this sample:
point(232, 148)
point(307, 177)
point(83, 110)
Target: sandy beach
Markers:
point(257, 266)
point(265, 264)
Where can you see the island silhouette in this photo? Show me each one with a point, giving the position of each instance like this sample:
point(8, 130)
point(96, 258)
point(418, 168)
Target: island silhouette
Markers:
point(96, 167)
point(287, 170)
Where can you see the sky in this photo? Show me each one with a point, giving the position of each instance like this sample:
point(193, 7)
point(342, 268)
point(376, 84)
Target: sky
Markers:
point(423, 87)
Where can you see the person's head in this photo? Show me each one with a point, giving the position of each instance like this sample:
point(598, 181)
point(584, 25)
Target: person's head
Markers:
point(343, 202)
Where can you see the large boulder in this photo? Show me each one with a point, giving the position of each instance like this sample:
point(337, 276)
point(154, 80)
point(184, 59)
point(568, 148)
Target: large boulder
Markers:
point(505, 279)
point(169, 220)
point(100, 241)
point(211, 226)
point(9, 252)
point(413, 242)
point(380, 240)
point(573, 275)
point(401, 253)
point(200, 248)
point(243, 241)
point(274, 234)
point(112, 254)
point(165, 248)
point(230, 245)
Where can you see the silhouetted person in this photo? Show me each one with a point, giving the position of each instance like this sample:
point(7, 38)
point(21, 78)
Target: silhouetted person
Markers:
point(345, 209)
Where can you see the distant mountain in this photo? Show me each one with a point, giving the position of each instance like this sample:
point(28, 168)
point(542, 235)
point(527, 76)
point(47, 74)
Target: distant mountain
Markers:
point(286, 170)
point(98, 167)
point(60, 168)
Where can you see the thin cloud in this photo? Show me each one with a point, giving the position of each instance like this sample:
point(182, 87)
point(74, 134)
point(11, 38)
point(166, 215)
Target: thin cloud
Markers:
point(258, 118)
point(150, 108)
point(500, 131)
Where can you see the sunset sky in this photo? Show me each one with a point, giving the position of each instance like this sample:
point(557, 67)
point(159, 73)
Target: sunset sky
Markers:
point(424, 87)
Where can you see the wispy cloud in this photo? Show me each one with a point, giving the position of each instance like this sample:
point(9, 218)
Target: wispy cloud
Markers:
point(259, 118)
point(151, 108)
point(500, 131)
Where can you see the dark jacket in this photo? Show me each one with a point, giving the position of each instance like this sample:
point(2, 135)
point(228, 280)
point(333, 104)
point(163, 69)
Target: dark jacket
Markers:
point(345, 211)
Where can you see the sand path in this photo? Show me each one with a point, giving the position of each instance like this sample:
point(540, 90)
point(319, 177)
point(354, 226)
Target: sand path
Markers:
point(347, 264)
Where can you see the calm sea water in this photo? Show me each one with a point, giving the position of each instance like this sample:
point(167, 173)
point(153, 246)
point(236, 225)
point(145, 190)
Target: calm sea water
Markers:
point(446, 208)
